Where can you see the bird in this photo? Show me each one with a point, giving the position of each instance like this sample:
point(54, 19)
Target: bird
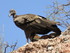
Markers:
point(34, 24)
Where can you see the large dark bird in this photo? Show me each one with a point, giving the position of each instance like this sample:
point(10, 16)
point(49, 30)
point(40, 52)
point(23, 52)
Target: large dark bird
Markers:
point(34, 24)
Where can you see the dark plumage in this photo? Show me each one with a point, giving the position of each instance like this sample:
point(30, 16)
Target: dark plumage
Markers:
point(34, 24)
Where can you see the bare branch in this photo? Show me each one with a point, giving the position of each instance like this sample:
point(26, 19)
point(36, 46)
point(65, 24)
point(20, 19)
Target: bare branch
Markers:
point(60, 13)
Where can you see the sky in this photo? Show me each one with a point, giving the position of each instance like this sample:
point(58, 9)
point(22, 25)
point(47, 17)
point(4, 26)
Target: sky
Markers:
point(10, 32)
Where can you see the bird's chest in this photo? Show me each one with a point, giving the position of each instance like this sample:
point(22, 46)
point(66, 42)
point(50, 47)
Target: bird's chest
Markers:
point(20, 25)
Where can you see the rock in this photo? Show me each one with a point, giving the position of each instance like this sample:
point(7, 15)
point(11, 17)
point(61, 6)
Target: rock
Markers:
point(56, 45)
point(66, 32)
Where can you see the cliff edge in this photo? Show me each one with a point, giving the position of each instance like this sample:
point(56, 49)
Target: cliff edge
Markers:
point(59, 44)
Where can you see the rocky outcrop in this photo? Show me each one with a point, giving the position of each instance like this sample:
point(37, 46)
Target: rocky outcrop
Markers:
point(66, 32)
point(53, 45)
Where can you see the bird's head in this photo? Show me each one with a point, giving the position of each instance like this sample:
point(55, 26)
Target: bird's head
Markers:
point(12, 12)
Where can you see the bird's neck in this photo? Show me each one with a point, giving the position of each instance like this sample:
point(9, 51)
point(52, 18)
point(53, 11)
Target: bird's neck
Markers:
point(14, 16)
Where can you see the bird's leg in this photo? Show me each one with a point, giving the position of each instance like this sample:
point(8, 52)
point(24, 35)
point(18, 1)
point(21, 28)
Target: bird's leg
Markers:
point(32, 38)
point(27, 36)
point(27, 40)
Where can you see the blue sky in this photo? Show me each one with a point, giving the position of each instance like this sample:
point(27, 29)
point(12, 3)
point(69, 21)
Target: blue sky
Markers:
point(12, 33)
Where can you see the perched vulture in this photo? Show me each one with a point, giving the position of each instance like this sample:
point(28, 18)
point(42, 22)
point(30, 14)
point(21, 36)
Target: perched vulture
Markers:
point(34, 24)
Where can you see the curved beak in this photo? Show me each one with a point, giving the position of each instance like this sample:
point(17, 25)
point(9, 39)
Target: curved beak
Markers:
point(9, 15)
